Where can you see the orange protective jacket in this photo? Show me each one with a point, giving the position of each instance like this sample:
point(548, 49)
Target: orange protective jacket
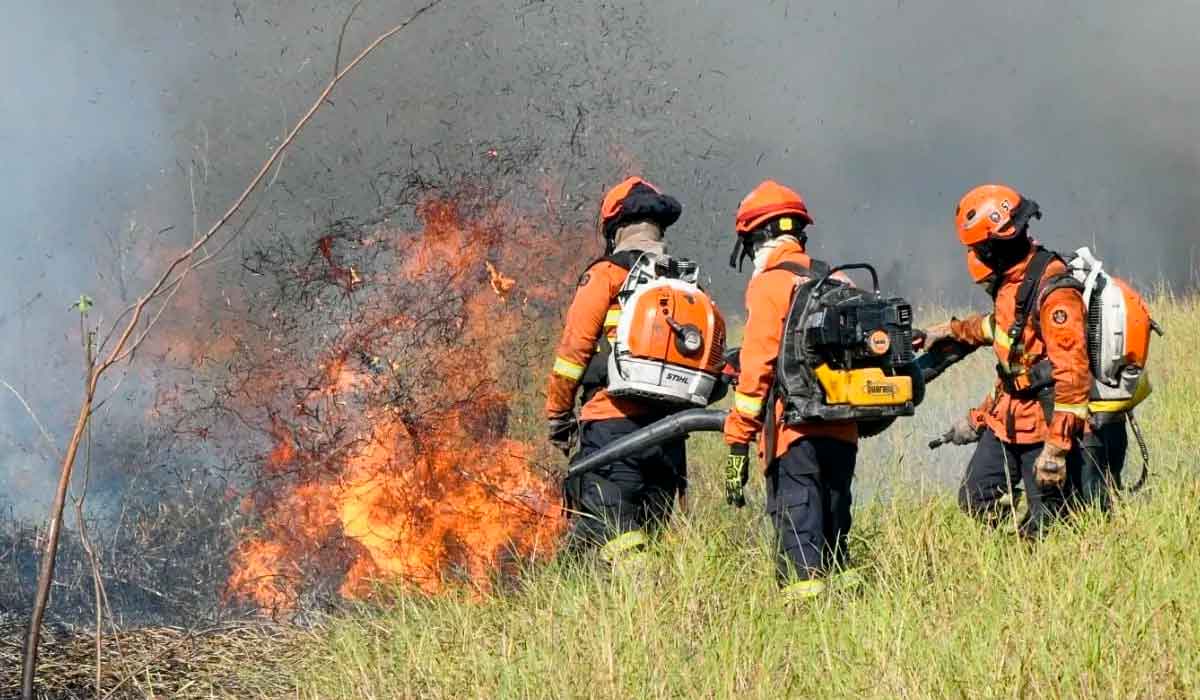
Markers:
point(593, 312)
point(768, 298)
point(1058, 334)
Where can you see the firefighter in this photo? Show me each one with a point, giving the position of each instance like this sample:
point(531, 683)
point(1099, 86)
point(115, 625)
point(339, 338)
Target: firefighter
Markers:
point(616, 506)
point(1030, 427)
point(809, 474)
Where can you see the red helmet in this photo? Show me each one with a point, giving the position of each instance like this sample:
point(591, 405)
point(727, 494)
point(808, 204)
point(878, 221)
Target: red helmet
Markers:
point(993, 212)
point(768, 201)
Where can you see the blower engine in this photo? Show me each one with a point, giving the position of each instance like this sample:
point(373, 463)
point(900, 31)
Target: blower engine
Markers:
point(847, 355)
point(1118, 335)
point(670, 340)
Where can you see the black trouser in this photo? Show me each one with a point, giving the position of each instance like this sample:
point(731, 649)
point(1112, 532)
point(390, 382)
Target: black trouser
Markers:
point(998, 468)
point(636, 492)
point(1099, 473)
point(808, 501)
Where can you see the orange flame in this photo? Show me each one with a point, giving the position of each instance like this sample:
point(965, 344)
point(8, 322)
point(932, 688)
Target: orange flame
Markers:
point(429, 488)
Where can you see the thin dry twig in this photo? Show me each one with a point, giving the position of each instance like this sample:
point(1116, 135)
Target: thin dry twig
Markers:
point(337, 57)
point(33, 416)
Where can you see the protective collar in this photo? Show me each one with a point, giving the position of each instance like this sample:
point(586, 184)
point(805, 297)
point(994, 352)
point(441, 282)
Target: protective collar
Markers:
point(645, 236)
point(764, 249)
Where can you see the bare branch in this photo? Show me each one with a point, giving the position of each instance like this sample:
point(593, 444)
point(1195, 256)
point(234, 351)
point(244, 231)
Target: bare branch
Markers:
point(121, 349)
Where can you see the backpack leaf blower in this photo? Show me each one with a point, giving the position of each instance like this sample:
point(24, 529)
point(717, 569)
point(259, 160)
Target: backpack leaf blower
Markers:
point(847, 355)
point(669, 337)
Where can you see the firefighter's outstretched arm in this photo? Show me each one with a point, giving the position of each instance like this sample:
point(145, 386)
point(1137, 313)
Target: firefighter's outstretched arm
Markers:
point(1063, 320)
point(584, 324)
point(975, 331)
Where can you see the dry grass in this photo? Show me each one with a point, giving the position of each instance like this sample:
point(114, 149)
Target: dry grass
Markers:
point(157, 662)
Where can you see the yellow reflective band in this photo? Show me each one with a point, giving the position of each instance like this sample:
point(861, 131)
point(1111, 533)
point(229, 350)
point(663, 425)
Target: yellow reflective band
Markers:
point(622, 543)
point(986, 326)
point(804, 589)
point(1077, 409)
point(1004, 340)
point(568, 369)
point(612, 318)
point(747, 405)
point(1122, 405)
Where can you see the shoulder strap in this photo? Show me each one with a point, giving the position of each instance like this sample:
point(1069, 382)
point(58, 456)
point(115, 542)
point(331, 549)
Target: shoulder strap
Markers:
point(1027, 298)
point(624, 260)
point(815, 268)
point(1064, 280)
point(1054, 283)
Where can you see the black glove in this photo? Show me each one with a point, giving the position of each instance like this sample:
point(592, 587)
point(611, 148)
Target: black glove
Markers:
point(561, 430)
point(737, 473)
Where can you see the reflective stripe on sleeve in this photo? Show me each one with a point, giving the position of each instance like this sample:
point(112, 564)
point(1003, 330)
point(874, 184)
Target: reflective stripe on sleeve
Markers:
point(747, 405)
point(986, 327)
point(612, 318)
point(568, 369)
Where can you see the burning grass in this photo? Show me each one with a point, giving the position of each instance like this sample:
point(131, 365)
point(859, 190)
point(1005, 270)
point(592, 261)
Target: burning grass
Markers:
point(384, 386)
point(358, 430)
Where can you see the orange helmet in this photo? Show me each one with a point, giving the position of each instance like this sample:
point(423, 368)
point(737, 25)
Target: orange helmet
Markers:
point(769, 210)
point(768, 201)
point(632, 200)
point(991, 212)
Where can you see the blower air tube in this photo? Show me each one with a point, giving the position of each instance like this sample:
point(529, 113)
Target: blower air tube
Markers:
point(927, 368)
point(672, 427)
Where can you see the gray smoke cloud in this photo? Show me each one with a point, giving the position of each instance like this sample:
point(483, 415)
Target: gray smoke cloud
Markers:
point(881, 113)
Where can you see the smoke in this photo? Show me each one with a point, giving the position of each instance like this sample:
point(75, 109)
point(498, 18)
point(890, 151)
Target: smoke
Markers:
point(882, 114)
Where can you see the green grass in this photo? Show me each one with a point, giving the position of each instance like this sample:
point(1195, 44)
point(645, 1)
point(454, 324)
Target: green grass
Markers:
point(1107, 607)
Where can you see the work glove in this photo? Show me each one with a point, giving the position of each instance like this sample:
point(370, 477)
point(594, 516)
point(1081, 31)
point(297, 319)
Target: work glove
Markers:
point(963, 432)
point(737, 473)
point(1050, 469)
point(561, 430)
point(926, 338)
